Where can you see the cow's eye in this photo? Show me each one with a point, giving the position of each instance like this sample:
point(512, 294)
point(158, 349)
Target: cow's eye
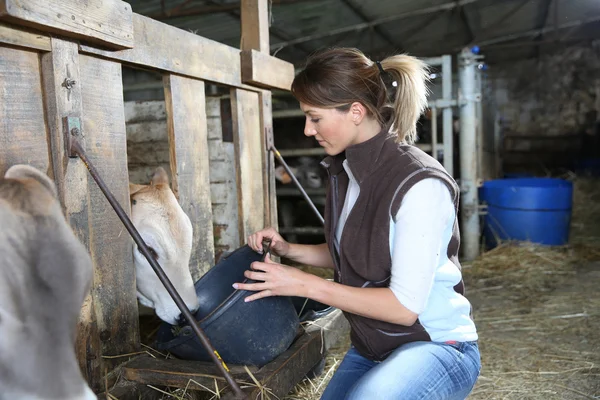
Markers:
point(152, 252)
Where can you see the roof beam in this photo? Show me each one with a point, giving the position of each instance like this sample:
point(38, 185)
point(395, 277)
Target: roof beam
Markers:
point(358, 27)
point(361, 15)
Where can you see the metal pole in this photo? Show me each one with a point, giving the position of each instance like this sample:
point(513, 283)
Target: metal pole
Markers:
point(76, 148)
point(448, 135)
point(468, 154)
point(298, 185)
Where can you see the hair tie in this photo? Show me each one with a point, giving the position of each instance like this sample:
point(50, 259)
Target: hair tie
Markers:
point(380, 67)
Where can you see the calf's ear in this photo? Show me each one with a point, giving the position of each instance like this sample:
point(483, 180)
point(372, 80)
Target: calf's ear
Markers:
point(23, 172)
point(160, 177)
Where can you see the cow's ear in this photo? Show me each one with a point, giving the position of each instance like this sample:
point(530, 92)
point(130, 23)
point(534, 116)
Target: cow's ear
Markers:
point(22, 172)
point(160, 177)
point(133, 188)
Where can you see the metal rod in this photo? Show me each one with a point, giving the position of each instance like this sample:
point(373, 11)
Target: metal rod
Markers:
point(447, 128)
point(298, 185)
point(76, 148)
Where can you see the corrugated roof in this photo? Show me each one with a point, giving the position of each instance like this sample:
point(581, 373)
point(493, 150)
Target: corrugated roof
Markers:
point(505, 29)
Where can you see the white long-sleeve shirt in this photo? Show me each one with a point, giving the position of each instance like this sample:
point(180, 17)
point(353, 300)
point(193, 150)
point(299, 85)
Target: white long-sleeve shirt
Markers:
point(422, 276)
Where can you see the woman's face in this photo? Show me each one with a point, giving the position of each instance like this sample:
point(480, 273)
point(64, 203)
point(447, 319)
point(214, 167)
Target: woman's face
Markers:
point(334, 130)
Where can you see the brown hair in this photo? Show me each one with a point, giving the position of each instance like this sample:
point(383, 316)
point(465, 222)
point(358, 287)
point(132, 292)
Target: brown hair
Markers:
point(338, 77)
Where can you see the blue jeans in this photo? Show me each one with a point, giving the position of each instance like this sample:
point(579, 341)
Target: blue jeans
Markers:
point(414, 371)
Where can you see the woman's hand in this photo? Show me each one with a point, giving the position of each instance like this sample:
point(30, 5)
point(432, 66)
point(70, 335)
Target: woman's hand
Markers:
point(277, 280)
point(279, 246)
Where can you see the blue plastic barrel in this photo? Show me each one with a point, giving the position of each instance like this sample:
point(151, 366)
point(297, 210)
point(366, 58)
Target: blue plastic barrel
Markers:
point(537, 210)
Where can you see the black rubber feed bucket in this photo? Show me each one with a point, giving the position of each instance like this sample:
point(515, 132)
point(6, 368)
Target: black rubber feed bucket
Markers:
point(251, 333)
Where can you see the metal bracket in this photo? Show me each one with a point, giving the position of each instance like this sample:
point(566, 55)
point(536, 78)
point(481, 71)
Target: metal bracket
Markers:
point(269, 141)
point(72, 129)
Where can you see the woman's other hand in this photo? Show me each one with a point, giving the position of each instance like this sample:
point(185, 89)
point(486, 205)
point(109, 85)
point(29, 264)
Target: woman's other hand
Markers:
point(279, 246)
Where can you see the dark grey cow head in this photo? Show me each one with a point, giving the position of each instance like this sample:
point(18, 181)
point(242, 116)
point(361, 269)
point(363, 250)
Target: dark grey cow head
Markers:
point(45, 273)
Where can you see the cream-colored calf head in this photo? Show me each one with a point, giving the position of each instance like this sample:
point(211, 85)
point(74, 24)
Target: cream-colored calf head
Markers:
point(167, 230)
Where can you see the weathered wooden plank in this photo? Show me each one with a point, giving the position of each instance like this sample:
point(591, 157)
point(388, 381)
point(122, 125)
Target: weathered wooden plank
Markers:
point(171, 49)
point(22, 126)
point(255, 25)
point(17, 36)
point(248, 144)
point(107, 22)
point(71, 178)
point(145, 111)
point(266, 71)
point(149, 153)
point(113, 290)
point(266, 123)
point(186, 111)
point(140, 132)
point(180, 373)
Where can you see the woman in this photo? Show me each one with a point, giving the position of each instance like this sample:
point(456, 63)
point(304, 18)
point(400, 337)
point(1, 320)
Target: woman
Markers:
point(392, 235)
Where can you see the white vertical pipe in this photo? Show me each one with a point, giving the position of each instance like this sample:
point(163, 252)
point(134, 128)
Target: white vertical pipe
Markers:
point(481, 162)
point(434, 133)
point(447, 114)
point(468, 155)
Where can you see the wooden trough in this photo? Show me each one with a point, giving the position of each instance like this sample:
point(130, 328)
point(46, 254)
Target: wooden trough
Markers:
point(61, 68)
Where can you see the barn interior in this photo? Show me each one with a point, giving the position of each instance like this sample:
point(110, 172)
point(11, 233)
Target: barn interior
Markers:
point(537, 115)
point(514, 97)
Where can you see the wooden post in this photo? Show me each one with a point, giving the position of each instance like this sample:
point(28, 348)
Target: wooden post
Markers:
point(62, 89)
point(266, 124)
point(255, 36)
point(255, 25)
point(23, 129)
point(113, 290)
point(188, 143)
point(249, 153)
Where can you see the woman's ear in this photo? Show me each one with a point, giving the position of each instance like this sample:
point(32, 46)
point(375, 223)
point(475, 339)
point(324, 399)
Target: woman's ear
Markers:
point(357, 112)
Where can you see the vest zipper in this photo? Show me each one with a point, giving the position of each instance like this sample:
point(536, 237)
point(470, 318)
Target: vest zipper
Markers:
point(336, 217)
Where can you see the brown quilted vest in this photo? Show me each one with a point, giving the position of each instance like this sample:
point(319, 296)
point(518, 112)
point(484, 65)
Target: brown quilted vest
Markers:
point(385, 171)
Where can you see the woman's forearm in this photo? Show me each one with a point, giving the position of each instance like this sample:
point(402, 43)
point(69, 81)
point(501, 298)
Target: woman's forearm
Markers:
point(314, 255)
point(376, 303)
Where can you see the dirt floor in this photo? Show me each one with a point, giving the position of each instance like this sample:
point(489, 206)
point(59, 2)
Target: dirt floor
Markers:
point(537, 311)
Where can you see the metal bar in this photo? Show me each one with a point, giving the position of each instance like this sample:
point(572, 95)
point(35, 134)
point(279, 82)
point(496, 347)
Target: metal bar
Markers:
point(448, 136)
point(77, 149)
point(434, 133)
point(358, 27)
point(468, 155)
point(298, 185)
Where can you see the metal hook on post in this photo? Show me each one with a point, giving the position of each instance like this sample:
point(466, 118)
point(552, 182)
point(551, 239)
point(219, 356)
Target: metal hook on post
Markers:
point(75, 149)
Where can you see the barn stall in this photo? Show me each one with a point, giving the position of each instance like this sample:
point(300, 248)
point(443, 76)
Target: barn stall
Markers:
point(61, 68)
point(514, 95)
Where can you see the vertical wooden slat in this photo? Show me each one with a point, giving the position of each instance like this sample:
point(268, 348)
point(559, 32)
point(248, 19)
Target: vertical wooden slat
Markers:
point(255, 25)
point(248, 142)
point(114, 292)
point(266, 124)
point(188, 142)
point(22, 127)
point(71, 178)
